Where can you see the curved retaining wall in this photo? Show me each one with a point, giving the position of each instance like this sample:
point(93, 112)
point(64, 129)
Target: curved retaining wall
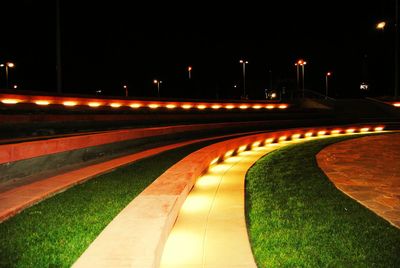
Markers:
point(137, 235)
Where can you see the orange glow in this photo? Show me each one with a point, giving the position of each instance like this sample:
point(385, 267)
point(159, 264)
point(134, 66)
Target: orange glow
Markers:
point(282, 138)
point(42, 102)
point(269, 140)
point(94, 104)
point(270, 106)
point(396, 104)
point(186, 106)
point(256, 144)
point(381, 25)
point(243, 107)
point(321, 132)
point(296, 136)
point(214, 161)
point(228, 154)
point(115, 105)
point(9, 101)
point(257, 107)
point(350, 130)
point(201, 107)
point(309, 134)
point(189, 68)
point(282, 106)
point(170, 106)
point(242, 148)
point(364, 129)
point(216, 106)
point(335, 131)
point(229, 107)
point(135, 105)
point(378, 128)
point(153, 106)
point(70, 103)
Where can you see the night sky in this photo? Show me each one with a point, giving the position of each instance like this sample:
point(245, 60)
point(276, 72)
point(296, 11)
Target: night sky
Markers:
point(106, 44)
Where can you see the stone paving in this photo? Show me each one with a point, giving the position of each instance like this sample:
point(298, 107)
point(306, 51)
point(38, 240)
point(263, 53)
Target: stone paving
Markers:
point(368, 170)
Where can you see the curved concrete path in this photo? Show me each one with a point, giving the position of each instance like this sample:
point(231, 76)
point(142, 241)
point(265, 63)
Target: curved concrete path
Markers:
point(368, 170)
point(211, 227)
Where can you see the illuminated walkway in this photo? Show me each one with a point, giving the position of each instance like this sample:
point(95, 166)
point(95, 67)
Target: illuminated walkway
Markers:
point(368, 170)
point(211, 229)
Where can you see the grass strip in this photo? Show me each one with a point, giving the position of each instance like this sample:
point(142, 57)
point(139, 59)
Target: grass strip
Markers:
point(55, 232)
point(297, 218)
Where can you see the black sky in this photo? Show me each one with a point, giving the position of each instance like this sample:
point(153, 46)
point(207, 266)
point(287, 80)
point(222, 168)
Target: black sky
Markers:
point(106, 44)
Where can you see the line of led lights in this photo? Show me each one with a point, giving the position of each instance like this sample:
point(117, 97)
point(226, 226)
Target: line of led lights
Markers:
point(151, 105)
point(296, 136)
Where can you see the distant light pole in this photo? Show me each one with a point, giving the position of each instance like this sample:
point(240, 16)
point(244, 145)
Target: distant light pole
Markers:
point(190, 72)
point(126, 90)
point(297, 76)
point(326, 84)
point(7, 65)
point(157, 82)
point(297, 64)
point(244, 62)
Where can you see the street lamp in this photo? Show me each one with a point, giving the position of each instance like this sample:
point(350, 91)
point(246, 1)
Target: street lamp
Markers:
point(244, 62)
point(297, 64)
point(7, 65)
point(326, 84)
point(190, 72)
point(126, 90)
point(157, 82)
point(381, 25)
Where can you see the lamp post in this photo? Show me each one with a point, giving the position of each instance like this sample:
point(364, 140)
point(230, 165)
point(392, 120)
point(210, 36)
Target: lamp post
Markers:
point(244, 62)
point(190, 72)
point(297, 64)
point(157, 82)
point(326, 84)
point(126, 90)
point(7, 65)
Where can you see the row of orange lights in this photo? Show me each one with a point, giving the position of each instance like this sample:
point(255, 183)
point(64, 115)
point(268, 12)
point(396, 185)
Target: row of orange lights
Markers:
point(296, 136)
point(154, 105)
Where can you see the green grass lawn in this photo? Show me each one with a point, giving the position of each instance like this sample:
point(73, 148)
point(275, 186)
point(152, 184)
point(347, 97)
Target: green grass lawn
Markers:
point(55, 232)
point(297, 218)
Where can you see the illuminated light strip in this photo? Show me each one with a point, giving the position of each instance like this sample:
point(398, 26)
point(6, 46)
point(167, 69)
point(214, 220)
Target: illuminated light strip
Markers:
point(243, 107)
point(186, 106)
point(269, 140)
point(321, 133)
point(228, 153)
point(296, 136)
point(308, 134)
point(270, 106)
point(70, 103)
point(282, 106)
point(364, 129)
point(379, 128)
point(216, 106)
point(242, 148)
point(336, 131)
point(229, 107)
point(42, 102)
point(256, 107)
point(170, 106)
point(396, 104)
point(10, 101)
point(94, 104)
point(214, 161)
point(282, 138)
point(153, 106)
point(135, 105)
point(201, 107)
point(256, 144)
point(350, 130)
point(115, 105)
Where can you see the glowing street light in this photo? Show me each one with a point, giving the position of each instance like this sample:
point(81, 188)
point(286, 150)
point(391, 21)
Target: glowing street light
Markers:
point(157, 82)
point(326, 84)
point(381, 25)
point(190, 72)
point(7, 65)
point(244, 62)
point(297, 64)
point(126, 90)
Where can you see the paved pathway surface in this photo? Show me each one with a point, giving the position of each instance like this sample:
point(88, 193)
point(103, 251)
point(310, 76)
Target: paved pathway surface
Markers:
point(211, 228)
point(368, 170)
